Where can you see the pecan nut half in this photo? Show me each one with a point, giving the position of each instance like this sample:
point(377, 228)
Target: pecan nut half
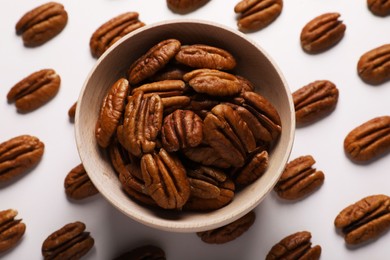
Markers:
point(265, 113)
point(211, 188)
point(35, 90)
point(257, 14)
point(322, 33)
point(213, 82)
point(111, 112)
point(379, 7)
point(185, 6)
point(149, 252)
point(181, 129)
point(373, 66)
point(295, 246)
point(314, 101)
point(254, 168)
point(230, 231)
point(78, 185)
point(205, 57)
point(113, 30)
point(299, 179)
point(369, 140)
point(228, 134)
point(72, 111)
point(142, 123)
point(206, 155)
point(19, 155)
point(69, 242)
point(165, 179)
point(153, 60)
point(42, 23)
point(364, 220)
point(11, 229)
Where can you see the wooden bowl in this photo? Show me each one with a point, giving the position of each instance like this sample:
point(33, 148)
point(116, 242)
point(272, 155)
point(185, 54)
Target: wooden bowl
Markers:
point(253, 63)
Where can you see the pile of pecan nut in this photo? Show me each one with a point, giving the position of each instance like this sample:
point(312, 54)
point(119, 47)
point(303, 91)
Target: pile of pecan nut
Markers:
point(183, 131)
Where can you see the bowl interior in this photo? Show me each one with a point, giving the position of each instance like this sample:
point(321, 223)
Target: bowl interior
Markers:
point(252, 63)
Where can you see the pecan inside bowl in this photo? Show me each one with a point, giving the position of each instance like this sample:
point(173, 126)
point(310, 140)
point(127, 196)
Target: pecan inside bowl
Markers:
point(253, 63)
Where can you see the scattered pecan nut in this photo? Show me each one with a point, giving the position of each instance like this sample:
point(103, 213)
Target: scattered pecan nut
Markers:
point(203, 56)
point(299, 179)
point(230, 231)
point(295, 246)
point(72, 111)
point(11, 229)
point(314, 101)
point(19, 155)
point(373, 66)
point(111, 112)
point(113, 30)
point(364, 220)
point(78, 185)
point(69, 242)
point(322, 33)
point(153, 60)
point(165, 179)
point(257, 14)
point(35, 90)
point(369, 140)
point(185, 6)
point(379, 7)
point(42, 23)
point(149, 252)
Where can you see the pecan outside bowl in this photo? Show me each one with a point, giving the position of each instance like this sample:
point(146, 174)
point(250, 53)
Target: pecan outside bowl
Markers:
point(252, 62)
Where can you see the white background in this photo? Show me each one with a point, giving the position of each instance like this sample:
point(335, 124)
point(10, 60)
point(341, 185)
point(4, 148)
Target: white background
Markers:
point(39, 195)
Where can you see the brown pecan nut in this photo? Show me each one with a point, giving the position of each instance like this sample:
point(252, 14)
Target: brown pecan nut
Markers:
point(181, 129)
point(257, 14)
point(35, 90)
point(165, 179)
point(228, 134)
point(163, 88)
point(322, 33)
point(113, 30)
point(142, 123)
point(295, 246)
point(213, 82)
point(153, 60)
point(230, 231)
point(211, 188)
point(314, 101)
point(69, 242)
point(373, 66)
point(369, 140)
point(203, 56)
point(253, 169)
point(19, 155)
point(11, 229)
point(111, 112)
point(265, 113)
point(78, 185)
point(379, 7)
point(299, 179)
point(185, 6)
point(206, 155)
point(72, 111)
point(42, 23)
point(149, 252)
point(365, 220)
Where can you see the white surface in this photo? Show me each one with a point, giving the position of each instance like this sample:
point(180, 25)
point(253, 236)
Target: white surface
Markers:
point(39, 195)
